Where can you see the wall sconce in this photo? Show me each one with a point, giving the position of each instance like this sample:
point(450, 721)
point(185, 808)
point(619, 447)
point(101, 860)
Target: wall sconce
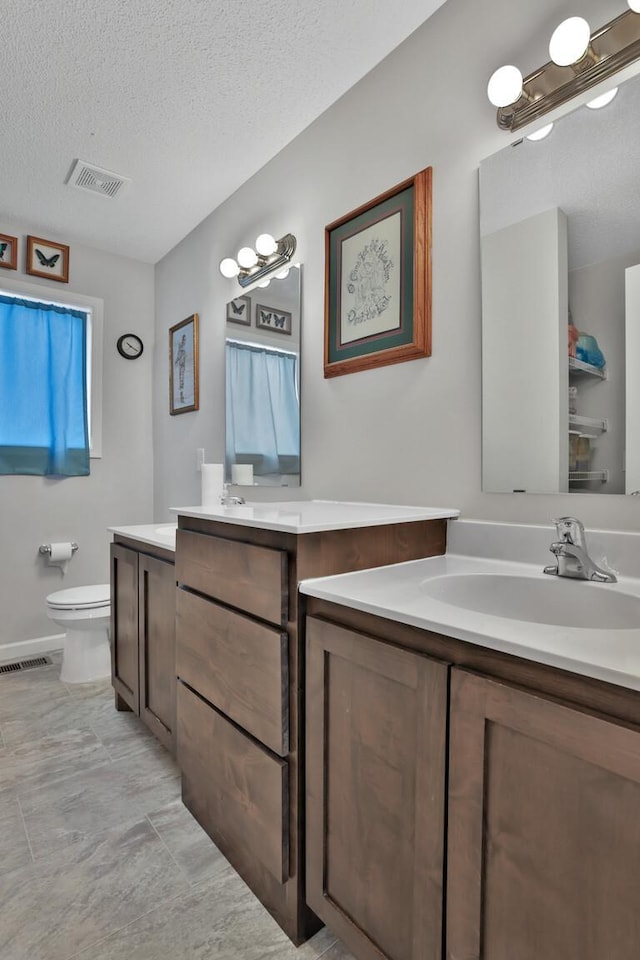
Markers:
point(579, 60)
point(251, 265)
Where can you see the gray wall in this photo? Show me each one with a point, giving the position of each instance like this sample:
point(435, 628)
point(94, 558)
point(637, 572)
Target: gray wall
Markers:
point(408, 433)
point(35, 510)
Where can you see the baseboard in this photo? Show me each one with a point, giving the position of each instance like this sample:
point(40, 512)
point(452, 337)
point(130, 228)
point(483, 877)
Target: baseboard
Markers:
point(22, 649)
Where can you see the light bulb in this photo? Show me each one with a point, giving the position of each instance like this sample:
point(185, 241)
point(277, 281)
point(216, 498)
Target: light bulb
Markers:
point(634, 5)
point(265, 283)
point(505, 86)
point(283, 274)
point(570, 41)
point(541, 133)
point(604, 98)
point(229, 268)
point(247, 257)
point(266, 245)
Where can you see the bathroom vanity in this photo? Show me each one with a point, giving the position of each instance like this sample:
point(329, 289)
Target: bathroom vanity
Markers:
point(143, 588)
point(240, 669)
point(461, 797)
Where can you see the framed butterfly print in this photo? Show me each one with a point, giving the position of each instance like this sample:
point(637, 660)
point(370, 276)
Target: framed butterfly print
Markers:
point(8, 252)
point(47, 259)
point(270, 318)
point(239, 311)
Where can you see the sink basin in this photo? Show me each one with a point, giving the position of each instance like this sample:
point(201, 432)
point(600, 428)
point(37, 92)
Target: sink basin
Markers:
point(552, 600)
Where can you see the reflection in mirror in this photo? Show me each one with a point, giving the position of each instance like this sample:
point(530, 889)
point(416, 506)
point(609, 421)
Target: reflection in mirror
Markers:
point(560, 242)
point(262, 385)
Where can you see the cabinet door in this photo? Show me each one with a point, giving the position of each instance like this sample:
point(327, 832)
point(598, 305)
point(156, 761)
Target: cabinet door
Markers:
point(124, 624)
point(544, 829)
point(376, 752)
point(157, 633)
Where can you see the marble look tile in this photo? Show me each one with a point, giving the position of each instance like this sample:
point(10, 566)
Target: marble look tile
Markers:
point(337, 951)
point(46, 717)
point(51, 912)
point(83, 691)
point(14, 845)
point(219, 920)
point(80, 808)
point(50, 760)
point(187, 842)
point(19, 698)
point(122, 734)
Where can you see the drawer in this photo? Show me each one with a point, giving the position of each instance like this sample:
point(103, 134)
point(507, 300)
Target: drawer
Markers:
point(243, 575)
point(238, 664)
point(236, 790)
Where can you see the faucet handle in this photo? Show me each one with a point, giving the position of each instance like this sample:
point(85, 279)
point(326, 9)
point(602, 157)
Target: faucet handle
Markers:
point(571, 530)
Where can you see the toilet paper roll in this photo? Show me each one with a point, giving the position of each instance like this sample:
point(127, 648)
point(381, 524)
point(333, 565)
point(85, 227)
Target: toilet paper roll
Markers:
point(212, 477)
point(60, 555)
point(242, 474)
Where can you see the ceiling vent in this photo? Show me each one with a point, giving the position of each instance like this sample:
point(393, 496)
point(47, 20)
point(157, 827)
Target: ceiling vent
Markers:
point(86, 176)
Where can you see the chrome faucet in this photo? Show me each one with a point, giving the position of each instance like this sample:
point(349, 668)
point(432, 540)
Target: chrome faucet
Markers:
point(572, 557)
point(227, 500)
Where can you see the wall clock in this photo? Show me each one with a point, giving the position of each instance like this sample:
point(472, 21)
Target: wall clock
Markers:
point(130, 346)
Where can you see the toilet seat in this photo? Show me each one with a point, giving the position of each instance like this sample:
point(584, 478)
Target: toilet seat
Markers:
point(81, 598)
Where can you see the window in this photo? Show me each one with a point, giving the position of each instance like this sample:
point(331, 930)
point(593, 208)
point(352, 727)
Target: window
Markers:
point(50, 381)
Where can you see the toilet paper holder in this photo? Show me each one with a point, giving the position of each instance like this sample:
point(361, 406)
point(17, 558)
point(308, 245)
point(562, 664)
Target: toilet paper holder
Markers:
point(45, 548)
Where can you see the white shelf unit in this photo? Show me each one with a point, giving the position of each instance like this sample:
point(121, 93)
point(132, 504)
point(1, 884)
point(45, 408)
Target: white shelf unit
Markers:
point(587, 426)
point(587, 476)
point(579, 367)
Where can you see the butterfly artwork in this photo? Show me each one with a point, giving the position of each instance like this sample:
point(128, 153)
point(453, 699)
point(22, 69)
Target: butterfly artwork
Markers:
point(239, 311)
point(8, 252)
point(277, 320)
point(47, 261)
point(45, 258)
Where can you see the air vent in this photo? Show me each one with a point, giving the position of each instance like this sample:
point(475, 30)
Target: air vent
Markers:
point(85, 176)
point(24, 664)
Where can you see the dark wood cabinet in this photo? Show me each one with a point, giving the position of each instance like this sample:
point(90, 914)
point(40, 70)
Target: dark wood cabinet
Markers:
point(157, 647)
point(143, 635)
point(375, 765)
point(542, 798)
point(544, 828)
point(240, 666)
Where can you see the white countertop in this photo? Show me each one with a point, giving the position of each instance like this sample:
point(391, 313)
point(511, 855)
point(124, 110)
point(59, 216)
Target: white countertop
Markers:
point(398, 593)
point(157, 534)
point(310, 516)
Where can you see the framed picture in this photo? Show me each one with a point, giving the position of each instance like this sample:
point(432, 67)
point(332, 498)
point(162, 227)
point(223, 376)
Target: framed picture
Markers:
point(378, 281)
point(8, 252)
point(239, 311)
point(268, 318)
point(48, 259)
point(183, 366)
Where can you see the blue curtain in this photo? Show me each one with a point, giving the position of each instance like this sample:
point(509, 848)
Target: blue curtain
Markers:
point(43, 393)
point(263, 412)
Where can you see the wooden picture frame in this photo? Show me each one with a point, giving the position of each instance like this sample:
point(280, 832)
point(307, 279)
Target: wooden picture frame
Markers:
point(48, 259)
point(239, 311)
point(378, 280)
point(8, 252)
point(183, 366)
point(268, 318)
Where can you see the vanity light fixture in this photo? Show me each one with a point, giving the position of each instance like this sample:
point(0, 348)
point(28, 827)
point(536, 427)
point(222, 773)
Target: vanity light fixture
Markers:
point(579, 60)
point(269, 255)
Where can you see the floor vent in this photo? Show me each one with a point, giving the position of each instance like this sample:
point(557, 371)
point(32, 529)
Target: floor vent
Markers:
point(24, 664)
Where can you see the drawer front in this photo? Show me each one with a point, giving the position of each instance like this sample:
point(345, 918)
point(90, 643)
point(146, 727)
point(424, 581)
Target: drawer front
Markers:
point(236, 790)
point(245, 576)
point(238, 664)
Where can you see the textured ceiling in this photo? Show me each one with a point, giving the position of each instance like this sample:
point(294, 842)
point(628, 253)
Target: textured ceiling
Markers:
point(188, 98)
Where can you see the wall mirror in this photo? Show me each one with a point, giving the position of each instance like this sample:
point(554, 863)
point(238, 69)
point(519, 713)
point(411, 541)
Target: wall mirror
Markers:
point(560, 245)
point(262, 383)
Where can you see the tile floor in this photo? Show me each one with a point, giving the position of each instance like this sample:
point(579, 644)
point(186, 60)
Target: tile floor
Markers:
point(98, 857)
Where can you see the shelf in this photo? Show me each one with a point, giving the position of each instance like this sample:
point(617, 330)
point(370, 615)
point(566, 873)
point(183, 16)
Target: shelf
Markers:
point(579, 367)
point(587, 426)
point(587, 476)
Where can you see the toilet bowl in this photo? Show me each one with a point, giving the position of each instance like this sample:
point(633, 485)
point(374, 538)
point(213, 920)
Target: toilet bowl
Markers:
point(84, 613)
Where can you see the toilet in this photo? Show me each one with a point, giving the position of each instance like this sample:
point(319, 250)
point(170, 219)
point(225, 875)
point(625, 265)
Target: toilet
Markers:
point(84, 613)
